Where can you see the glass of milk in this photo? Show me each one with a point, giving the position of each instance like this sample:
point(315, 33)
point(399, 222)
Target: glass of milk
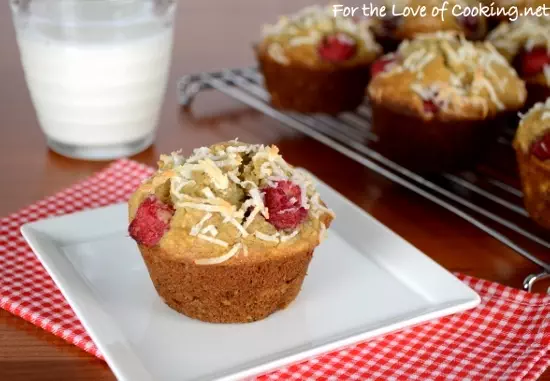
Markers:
point(96, 71)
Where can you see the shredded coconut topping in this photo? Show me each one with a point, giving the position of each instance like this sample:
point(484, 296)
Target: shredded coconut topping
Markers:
point(197, 228)
point(208, 193)
point(470, 73)
point(285, 238)
point(267, 237)
point(213, 261)
point(227, 180)
point(276, 52)
point(210, 229)
point(525, 32)
point(213, 240)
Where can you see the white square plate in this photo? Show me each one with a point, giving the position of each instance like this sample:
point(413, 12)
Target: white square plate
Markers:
point(363, 281)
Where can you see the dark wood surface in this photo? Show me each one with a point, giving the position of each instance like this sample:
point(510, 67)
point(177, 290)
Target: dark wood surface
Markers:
point(207, 39)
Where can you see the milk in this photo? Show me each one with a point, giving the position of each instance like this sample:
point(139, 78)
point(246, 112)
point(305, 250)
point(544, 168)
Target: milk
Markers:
point(96, 71)
point(96, 93)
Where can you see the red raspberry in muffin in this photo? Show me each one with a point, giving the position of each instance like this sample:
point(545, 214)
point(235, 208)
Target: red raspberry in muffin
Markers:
point(533, 62)
point(541, 148)
point(284, 204)
point(152, 220)
point(430, 107)
point(337, 47)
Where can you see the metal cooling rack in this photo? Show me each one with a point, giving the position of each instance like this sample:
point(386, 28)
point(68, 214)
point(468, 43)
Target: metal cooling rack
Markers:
point(487, 197)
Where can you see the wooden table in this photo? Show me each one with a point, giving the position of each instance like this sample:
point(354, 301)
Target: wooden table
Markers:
point(207, 39)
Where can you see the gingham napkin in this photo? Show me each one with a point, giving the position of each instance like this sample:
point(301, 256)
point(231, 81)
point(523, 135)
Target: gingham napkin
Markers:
point(507, 337)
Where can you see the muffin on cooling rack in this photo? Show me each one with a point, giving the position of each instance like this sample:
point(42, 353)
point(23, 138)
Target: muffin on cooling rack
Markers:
point(227, 234)
point(436, 102)
point(526, 44)
point(313, 62)
point(532, 144)
point(397, 26)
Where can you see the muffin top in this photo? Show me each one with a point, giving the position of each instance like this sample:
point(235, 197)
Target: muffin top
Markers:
point(397, 25)
point(526, 43)
point(313, 37)
point(228, 202)
point(444, 76)
point(533, 133)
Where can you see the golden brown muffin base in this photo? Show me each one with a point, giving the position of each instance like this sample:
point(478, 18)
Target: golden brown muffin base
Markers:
point(314, 90)
point(225, 293)
point(430, 145)
point(535, 180)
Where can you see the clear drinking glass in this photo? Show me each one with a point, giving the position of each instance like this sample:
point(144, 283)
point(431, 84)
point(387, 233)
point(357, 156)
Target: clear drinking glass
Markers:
point(96, 71)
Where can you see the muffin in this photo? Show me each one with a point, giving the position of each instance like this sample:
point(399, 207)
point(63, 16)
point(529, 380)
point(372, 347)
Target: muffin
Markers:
point(397, 25)
point(438, 101)
point(526, 44)
point(313, 62)
point(532, 145)
point(227, 234)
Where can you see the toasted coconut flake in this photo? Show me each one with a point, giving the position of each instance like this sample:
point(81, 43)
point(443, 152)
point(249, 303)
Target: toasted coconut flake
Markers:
point(267, 237)
point(197, 228)
point(215, 241)
point(233, 177)
point(205, 207)
point(210, 229)
point(211, 169)
point(213, 261)
point(208, 193)
point(285, 238)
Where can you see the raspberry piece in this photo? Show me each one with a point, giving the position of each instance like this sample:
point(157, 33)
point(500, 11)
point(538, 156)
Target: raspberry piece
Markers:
point(380, 65)
point(533, 62)
point(430, 107)
point(541, 148)
point(151, 221)
point(284, 204)
point(337, 47)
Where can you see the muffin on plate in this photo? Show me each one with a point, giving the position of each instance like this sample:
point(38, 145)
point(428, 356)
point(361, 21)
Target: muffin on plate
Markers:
point(313, 62)
point(227, 234)
point(532, 145)
point(526, 44)
point(397, 26)
point(436, 102)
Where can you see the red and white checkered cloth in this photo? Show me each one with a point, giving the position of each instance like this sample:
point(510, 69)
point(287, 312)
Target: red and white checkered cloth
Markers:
point(507, 337)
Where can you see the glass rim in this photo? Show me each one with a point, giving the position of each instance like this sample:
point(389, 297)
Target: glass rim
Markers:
point(18, 2)
point(24, 8)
